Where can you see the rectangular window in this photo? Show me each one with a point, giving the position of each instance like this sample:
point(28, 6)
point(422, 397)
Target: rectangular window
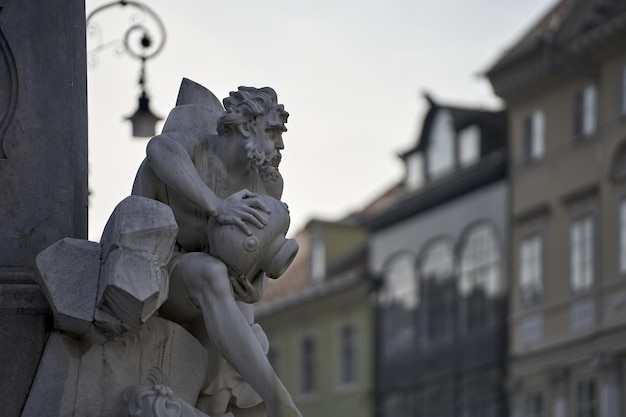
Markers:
point(530, 330)
point(582, 253)
point(534, 404)
point(584, 116)
point(347, 354)
point(531, 270)
point(469, 145)
point(308, 377)
point(586, 398)
point(534, 135)
point(622, 236)
point(582, 314)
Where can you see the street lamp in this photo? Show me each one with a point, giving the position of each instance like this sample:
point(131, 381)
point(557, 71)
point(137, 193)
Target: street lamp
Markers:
point(138, 41)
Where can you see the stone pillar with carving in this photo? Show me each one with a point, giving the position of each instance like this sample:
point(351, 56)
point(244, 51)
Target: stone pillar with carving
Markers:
point(559, 378)
point(609, 368)
point(43, 170)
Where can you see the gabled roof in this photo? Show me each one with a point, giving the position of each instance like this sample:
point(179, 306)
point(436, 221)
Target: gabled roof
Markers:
point(565, 26)
point(488, 121)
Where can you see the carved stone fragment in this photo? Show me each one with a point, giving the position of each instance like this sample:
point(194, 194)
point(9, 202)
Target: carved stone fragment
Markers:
point(68, 272)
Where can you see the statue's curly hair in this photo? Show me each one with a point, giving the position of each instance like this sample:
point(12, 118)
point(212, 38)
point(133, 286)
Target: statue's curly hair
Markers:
point(246, 104)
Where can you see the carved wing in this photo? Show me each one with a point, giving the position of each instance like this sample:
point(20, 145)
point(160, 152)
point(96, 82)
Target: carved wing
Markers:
point(196, 106)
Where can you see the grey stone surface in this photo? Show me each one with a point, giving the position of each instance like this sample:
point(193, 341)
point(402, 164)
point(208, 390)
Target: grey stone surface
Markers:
point(43, 175)
point(22, 340)
point(131, 283)
point(137, 244)
point(59, 363)
point(69, 277)
point(141, 224)
point(76, 379)
point(43, 169)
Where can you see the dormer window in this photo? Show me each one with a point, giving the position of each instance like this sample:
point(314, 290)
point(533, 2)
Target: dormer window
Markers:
point(414, 171)
point(440, 152)
point(469, 145)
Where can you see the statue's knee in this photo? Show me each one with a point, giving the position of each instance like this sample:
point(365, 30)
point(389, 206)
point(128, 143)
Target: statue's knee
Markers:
point(207, 275)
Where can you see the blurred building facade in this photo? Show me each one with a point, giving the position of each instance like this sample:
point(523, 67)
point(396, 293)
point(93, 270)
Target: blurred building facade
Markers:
point(439, 250)
point(318, 320)
point(564, 84)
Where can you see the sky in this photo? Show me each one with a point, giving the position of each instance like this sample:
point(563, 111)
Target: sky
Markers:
point(352, 75)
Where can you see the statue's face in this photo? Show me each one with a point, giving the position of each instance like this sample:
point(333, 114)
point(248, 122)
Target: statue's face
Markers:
point(269, 139)
point(265, 144)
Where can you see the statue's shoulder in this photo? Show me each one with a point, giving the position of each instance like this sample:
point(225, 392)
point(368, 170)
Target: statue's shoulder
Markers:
point(196, 108)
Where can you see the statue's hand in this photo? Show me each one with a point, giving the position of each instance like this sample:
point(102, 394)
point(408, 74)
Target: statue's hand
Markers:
point(242, 207)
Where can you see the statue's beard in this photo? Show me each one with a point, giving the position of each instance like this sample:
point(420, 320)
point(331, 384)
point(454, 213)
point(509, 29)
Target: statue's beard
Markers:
point(266, 165)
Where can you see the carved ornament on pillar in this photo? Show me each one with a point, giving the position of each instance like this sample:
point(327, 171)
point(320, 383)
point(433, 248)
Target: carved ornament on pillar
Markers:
point(8, 87)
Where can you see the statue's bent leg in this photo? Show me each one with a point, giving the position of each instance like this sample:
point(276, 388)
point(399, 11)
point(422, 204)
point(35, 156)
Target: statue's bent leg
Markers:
point(200, 282)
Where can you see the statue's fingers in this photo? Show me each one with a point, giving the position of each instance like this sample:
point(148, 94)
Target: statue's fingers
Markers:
point(245, 193)
point(258, 204)
point(255, 217)
point(243, 226)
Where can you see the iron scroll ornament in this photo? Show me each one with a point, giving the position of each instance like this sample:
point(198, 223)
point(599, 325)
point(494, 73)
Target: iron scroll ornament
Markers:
point(8, 87)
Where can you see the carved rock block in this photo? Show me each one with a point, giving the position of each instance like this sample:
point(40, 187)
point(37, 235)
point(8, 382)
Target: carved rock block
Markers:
point(68, 274)
point(78, 380)
point(142, 224)
point(133, 285)
point(137, 244)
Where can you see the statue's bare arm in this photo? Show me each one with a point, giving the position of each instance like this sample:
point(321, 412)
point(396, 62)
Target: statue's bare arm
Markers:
point(171, 160)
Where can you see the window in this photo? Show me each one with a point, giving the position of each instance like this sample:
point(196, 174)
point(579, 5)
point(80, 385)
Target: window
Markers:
point(585, 111)
point(440, 151)
point(530, 270)
point(469, 145)
point(398, 301)
point(586, 398)
point(581, 253)
point(348, 354)
point(622, 236)
point(582, 314)
point(318, 257)
point(479, 273)
point(414, 171)
point(398, 404)
point(308, 377)
point(534, 135)
point(534, 404)
point(530, 330)
point(438, 289)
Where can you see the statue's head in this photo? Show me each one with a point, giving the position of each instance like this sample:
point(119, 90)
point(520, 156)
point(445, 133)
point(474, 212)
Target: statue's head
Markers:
point(254, 114)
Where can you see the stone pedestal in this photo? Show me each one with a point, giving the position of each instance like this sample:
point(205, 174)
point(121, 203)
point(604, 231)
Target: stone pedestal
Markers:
point(43, 169)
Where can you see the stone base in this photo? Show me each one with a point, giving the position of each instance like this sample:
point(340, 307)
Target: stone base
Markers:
point(75, 379)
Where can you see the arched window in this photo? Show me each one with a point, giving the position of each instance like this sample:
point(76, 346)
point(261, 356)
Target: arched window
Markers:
point(438, 289)
point(398, 300)
point(480, 273)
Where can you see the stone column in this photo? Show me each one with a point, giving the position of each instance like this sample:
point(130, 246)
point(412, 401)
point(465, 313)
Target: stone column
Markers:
point(43, 169)
point(559, 378)
point(609, 368)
